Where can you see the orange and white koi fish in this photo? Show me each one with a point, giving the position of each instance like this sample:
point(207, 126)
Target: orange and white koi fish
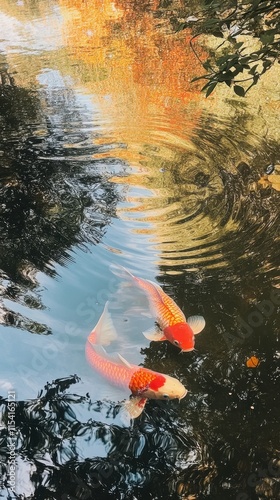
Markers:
point(143, 383)
point(171, 321)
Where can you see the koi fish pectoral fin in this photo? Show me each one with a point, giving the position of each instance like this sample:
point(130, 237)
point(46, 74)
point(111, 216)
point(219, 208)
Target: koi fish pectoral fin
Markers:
point(134, 406)
point(197, 323)
point(154, 334)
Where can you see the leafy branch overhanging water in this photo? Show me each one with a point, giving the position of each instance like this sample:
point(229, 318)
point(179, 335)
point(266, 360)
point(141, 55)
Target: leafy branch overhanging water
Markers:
point(249, 40)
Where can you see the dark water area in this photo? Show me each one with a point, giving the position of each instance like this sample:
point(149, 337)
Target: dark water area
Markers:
point(109, 155)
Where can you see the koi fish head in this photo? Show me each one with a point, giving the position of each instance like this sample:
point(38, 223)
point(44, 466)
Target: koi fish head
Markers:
point(171, 389)
point(152, 385)
point(181, 335)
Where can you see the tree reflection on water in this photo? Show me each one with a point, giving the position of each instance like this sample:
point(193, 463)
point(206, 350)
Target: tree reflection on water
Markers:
point(161, 455)
point(53, 194)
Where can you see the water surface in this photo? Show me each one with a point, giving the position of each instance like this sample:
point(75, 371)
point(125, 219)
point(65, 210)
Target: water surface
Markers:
point(110, 155)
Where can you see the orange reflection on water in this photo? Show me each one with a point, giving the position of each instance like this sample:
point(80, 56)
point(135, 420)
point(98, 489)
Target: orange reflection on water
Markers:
point(140, 74)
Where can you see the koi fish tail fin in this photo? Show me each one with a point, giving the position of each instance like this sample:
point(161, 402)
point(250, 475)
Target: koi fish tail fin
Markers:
point(121, 272)
point(130, 293)
point(104, 332)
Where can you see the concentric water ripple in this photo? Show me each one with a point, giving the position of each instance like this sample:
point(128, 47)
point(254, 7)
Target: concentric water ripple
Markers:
point(205, 208)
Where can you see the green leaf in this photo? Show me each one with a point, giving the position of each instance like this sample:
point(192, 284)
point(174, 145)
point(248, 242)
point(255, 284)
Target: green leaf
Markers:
point(206, 65)
point(217, 34)
point(231, 63)
point(245, 60)
point(225, 76)
point(267, 64)
point(272, 53)
point(206, 86)
point(198, 78)
point(239, 90)
point(222, 60)
point(255, 55)
point(239, 67)
point(211, 88)
point(253, 69)
point(267, 37)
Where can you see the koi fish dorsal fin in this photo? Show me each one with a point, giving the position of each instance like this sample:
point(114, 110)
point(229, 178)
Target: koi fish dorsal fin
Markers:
point(113, 358)
point(99, 349)
point(158, 289)
point(167, 302)
point(124, 361)
point(197, 323)
point(104, 331)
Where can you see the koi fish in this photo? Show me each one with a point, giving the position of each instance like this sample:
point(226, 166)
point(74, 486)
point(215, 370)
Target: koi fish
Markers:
point(143, 383)
point(171, 322)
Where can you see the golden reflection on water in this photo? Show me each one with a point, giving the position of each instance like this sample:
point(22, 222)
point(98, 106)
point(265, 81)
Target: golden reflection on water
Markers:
point(141, 76)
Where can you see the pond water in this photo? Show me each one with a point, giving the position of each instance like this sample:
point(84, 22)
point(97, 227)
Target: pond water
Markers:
point(110, 155)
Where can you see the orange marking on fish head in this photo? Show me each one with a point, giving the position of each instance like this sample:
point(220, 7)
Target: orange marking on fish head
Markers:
point(143, 380)
point(181, 335)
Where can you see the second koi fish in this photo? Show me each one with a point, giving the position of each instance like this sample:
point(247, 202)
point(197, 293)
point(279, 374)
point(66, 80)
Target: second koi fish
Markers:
point(172, 323)
point(143, 383)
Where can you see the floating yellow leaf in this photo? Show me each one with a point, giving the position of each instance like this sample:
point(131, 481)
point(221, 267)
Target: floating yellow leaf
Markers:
point(263, 182)
point(252, 362)
point(274, 179)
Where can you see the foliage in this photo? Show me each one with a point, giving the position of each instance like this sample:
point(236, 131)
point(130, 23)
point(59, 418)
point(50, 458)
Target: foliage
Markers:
point(233, 62)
